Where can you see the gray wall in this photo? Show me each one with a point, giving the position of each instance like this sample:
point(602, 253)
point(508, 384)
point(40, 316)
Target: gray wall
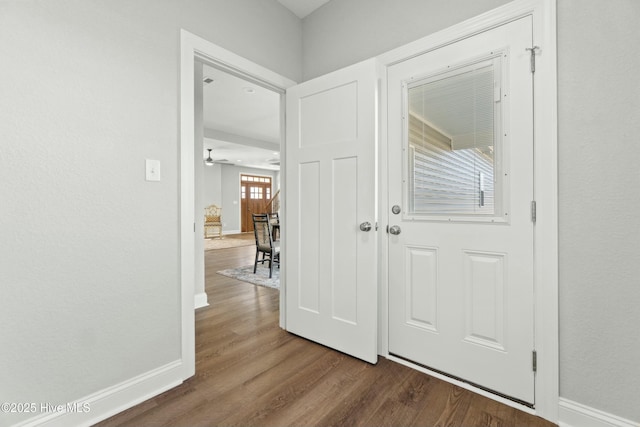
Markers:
point(599, 154)
point(344, 32)
point(599, 106)
point(213, 185)
point(89, 251)
point(89, 261)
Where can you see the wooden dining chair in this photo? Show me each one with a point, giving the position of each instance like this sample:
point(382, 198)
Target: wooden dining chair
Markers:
point(274, 220)
point(265, 246)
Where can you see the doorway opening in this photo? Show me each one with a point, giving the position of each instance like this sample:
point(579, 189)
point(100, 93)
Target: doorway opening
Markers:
point(239, 137)
point(192, 50)
point(238, 129)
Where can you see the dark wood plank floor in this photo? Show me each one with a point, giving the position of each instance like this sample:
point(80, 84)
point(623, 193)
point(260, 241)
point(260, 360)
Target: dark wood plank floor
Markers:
point(249, 372)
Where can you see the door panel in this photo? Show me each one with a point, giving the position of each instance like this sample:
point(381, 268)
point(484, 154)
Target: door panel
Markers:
point(421, 287)
point(485, 308)
point(330, 263)
point(322, 126)
point(308, 278)
point(461, 168)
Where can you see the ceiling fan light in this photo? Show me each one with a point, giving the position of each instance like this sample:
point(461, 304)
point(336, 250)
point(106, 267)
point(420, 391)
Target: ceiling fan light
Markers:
point(209, 161)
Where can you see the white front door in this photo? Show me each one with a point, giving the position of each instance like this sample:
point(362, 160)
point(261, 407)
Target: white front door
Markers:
point(331, 263)
point(461, 241)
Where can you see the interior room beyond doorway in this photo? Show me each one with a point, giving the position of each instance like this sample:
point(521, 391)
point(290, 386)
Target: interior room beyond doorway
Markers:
point(240, 137)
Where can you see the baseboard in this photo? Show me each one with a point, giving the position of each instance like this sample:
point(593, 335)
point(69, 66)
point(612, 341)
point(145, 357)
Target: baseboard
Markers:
point(112, 400)
point(224, 233)
point(201, 300)
point(573, 414)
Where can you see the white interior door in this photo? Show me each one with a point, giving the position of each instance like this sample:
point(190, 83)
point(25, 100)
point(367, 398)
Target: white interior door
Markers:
point(461, 175)
point(331, 263)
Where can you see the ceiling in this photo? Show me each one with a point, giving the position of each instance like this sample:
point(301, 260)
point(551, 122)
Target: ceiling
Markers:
point(302, 8)
point(241, 121)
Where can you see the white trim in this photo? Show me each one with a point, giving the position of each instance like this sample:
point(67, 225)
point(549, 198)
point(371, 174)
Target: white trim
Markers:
point(481, 23)
point(573, 414)
point(200, 300)
point(200, 47)
point(283, 210)
point(224, 233)
point(546, 196)
point(113, 400)
point(187, 200)
point(546, 184)
point(192, 47)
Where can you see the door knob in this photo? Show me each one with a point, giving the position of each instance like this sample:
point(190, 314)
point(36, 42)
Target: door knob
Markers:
point(365, 226)
point(395, 230)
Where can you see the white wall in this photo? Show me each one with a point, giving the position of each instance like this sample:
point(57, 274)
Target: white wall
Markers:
point(89, 251)
point(599, 106)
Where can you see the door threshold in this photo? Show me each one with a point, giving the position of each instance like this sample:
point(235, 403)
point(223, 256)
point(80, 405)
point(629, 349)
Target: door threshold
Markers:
point(475, 388)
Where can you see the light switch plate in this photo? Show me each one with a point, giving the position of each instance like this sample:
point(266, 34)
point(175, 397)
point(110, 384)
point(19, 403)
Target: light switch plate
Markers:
point(152, 170)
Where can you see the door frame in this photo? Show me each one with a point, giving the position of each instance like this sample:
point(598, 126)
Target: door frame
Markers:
point(546, 336)
point(193, 47)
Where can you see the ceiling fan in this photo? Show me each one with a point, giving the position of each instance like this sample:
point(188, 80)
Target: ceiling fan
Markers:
point(210, 162)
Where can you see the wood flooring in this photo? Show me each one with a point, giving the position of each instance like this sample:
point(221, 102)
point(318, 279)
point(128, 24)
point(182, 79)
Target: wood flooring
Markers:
point(249, 372)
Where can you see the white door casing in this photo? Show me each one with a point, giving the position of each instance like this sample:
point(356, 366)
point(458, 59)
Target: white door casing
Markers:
point(331, 264)
point(193, 47)
point(461, 284)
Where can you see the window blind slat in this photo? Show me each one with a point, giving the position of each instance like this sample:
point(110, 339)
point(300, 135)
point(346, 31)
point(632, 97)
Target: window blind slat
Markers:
point(451, 136)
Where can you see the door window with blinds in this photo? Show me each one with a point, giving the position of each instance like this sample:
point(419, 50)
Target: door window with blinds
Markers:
point(454, 145)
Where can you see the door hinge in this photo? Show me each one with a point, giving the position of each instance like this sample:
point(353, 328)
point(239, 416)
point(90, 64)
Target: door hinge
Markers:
point(533, 57)
point(534, 360)
point(533, 211)
point(194, 227)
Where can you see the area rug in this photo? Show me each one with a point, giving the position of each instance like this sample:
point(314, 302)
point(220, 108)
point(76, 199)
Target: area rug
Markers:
point(227, 242)
point(261, 278)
